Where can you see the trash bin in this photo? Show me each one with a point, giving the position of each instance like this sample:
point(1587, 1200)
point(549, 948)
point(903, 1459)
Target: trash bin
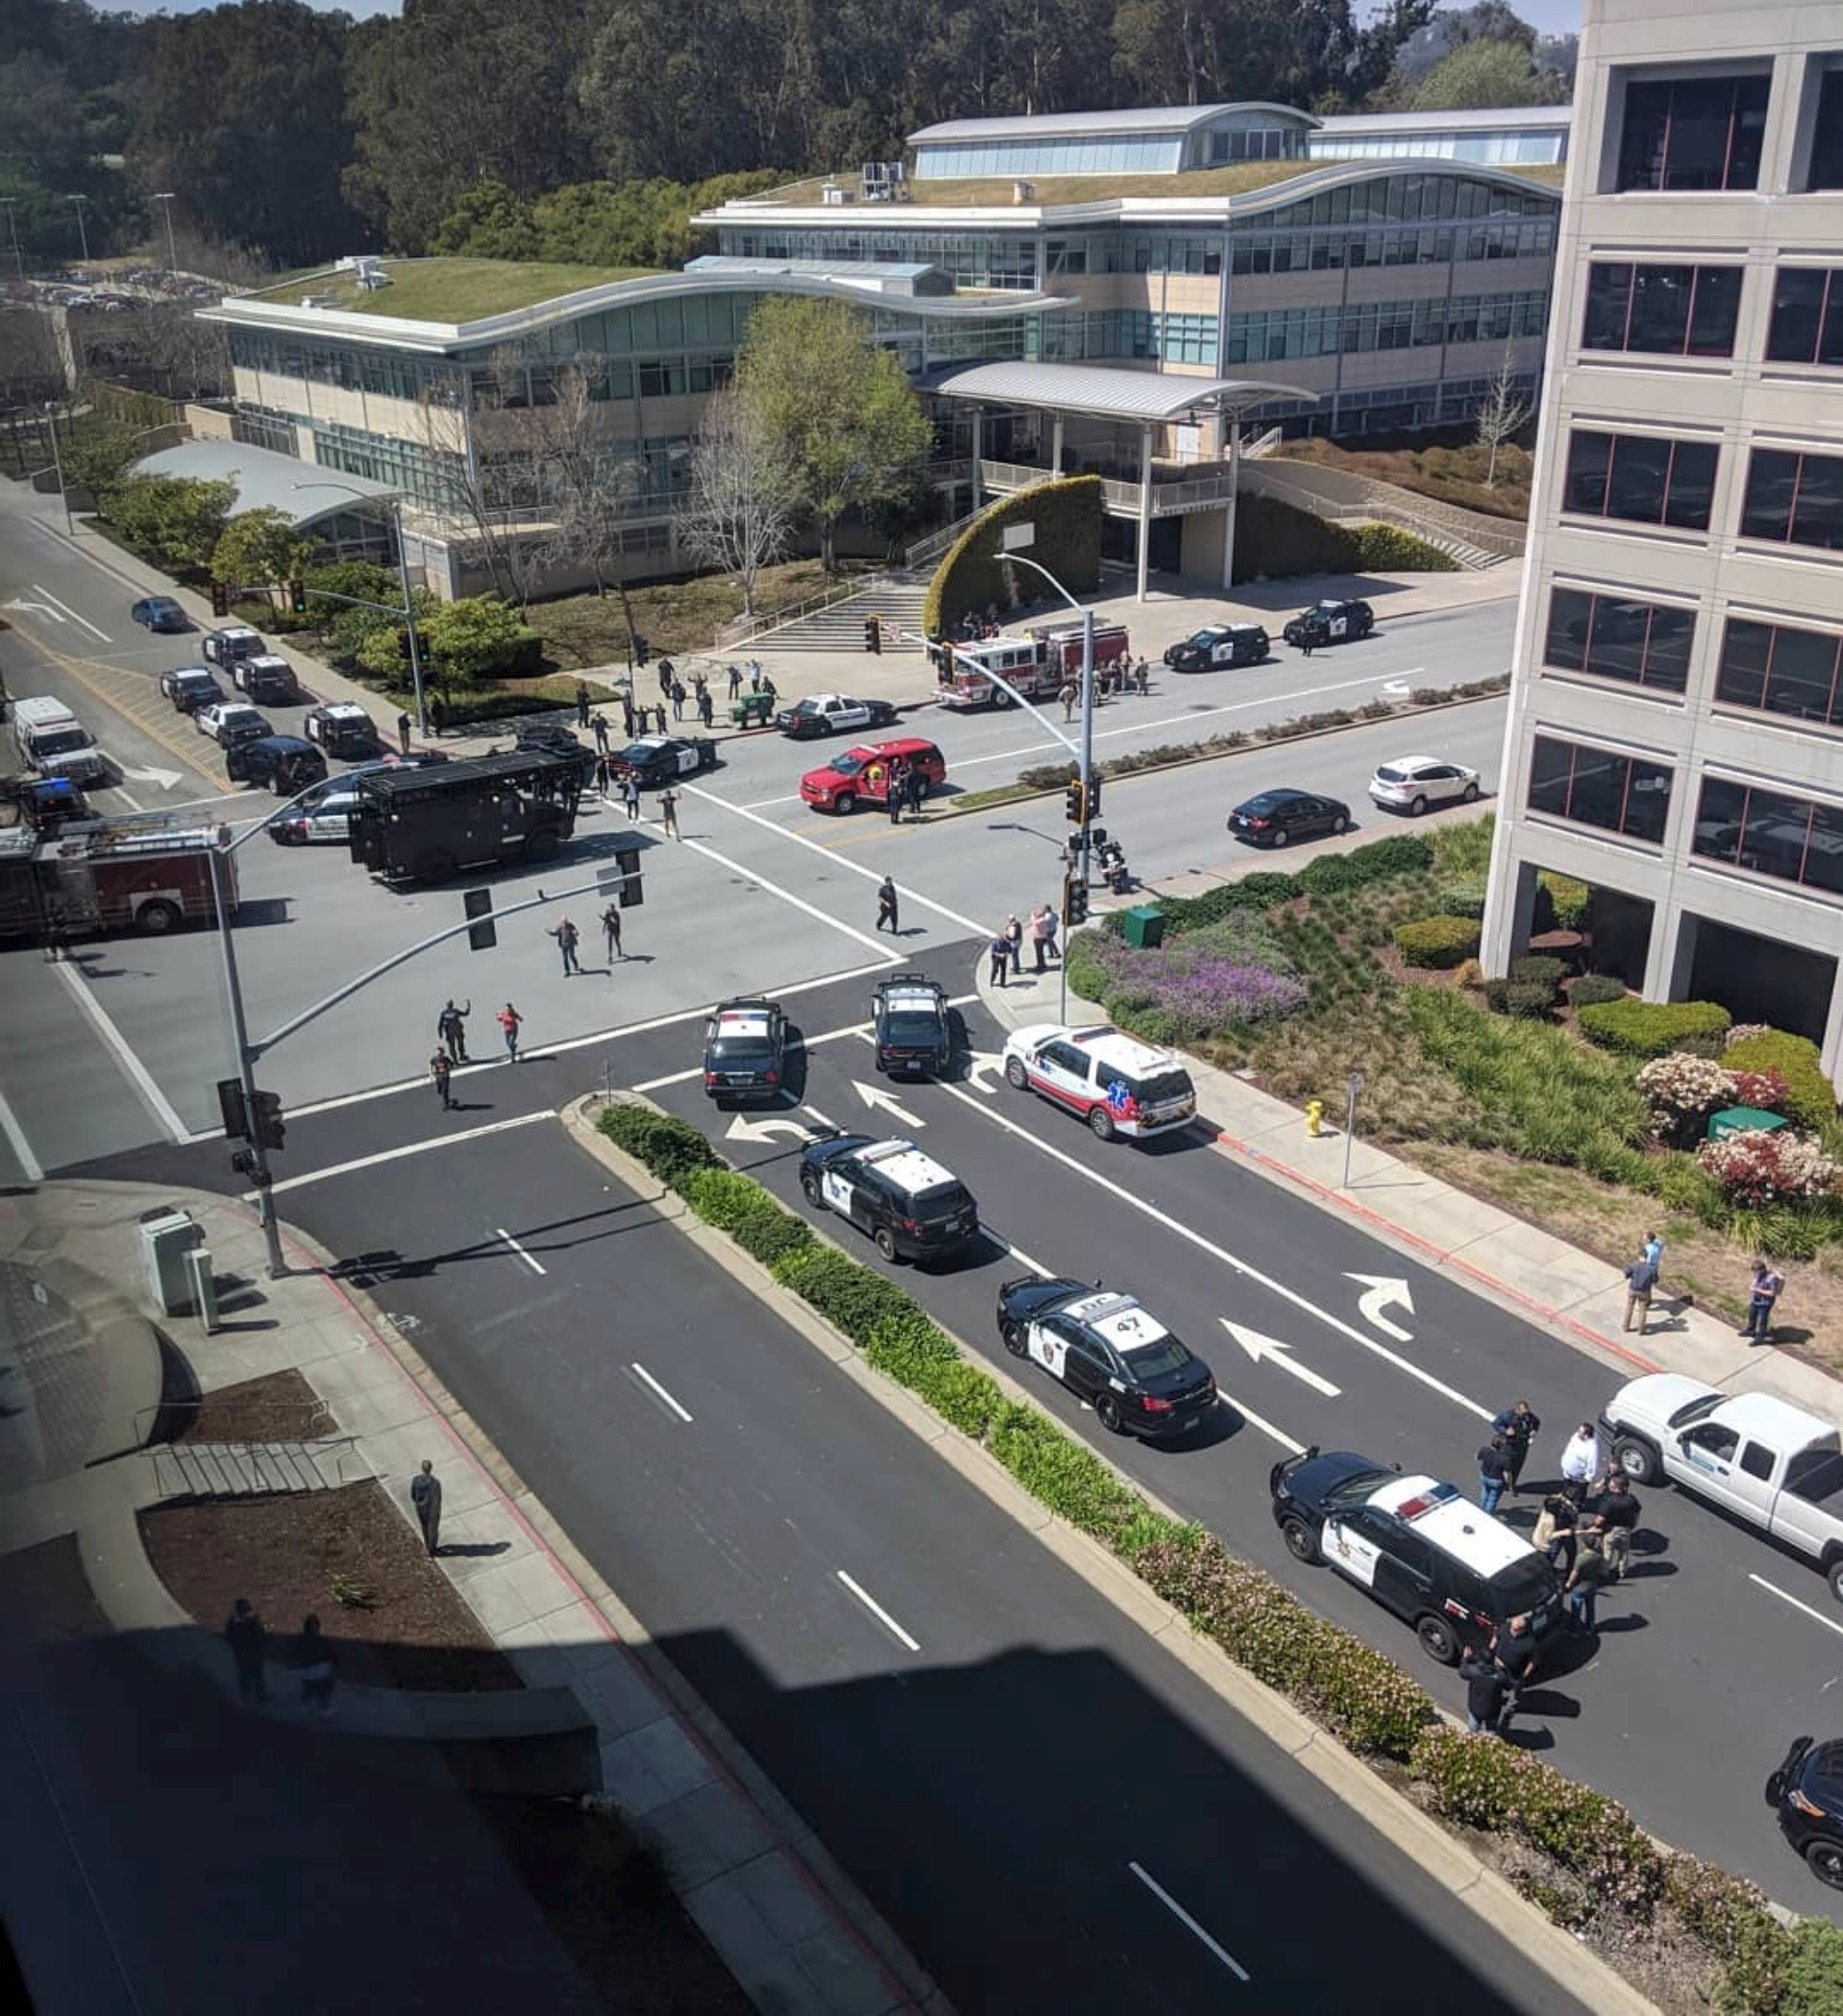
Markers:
point(1743, 1120)
point(1144, 926)
point(167, 1235)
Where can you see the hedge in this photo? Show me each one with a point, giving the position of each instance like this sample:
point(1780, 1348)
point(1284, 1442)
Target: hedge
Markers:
point(1437, 940)
point(1568, 900)
point(1650, 1028)
point(1461, 896)
point(1272, 538)
point(1067, 514)
point(1592, 988)
point(1810, 1099)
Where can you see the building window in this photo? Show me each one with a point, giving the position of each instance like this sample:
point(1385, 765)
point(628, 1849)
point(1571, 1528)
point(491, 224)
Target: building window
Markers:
point(1662, 311)
point(1791, 838)
point(1692, 133)
point(1794, 498)
point(1777, 669)
point(1644, 478)
point(1642, 644)
point(1826, 171)
point(1597, 787)
point(1807, 317)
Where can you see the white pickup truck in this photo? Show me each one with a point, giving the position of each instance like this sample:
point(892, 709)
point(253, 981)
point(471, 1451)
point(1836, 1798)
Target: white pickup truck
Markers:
point(1760, 1458)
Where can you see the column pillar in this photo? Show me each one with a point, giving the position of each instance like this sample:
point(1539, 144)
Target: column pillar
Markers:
point(1228, 517)
point(978, 450)
point(1144, 509)
point(1056, 447)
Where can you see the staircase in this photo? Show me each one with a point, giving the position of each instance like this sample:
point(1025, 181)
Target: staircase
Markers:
point(1474, 540)
point(254, 1469)
point(839, 624)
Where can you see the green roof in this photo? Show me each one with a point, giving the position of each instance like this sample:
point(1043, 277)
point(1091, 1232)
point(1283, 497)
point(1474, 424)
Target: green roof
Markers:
point(448, 291)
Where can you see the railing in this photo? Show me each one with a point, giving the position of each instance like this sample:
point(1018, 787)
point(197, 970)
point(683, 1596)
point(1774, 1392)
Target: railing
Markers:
point(1505, 539)
point(739, 630)
point(936, 544)
point(1121, 494)
point(1263, 444)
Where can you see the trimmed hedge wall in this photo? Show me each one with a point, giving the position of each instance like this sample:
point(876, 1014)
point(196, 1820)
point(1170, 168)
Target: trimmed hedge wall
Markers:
point(1653, 1028)
point(1273, 538)
point(1067, 513)
point(1437, 940)
point(1810, 1099)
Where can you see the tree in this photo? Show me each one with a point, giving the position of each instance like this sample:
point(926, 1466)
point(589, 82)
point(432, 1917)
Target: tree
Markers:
point(833, 404)
point(1483, 76)
point(31, 370)
point(740, 510)
point(260, 548)
point(1501, 413)
point(174, 520)
point(97, 460)
point(470, 640)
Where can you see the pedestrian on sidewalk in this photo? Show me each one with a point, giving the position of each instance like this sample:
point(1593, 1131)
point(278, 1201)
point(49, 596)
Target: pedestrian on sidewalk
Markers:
point(1641, 1277)
point(1013, 937)
point(450, 1026)
point(600, 723)
point(677, 700)
point(248, 1640)
point(437, 715)
point(707, 713)
point(1000, 951)
point(426, 1495)
point(659, 717)
point(441, 1070)
point(403, 735)
point(665, 678)
point(316, 1667)
point(1042, 933)
point(669, 811)
point(1483, 1692)
point(735, 680)
point(1067, 698)
point(1518, 1425)
point(631, 798)
point(1579, 1462)
point(582, 703)
point(626, 714)
point(1493, 1472)
point(510, 1022)
point(611, 933)
point(1763, 1293)
point(565, 935)
point(886, 906)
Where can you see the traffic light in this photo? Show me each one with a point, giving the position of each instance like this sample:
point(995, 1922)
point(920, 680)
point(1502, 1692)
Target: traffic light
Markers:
point(265, 1116)
point(1074, 902)
point(1076, 803)
point(298, 596)
point(220, 599)
point(483, 934)
point(402, 643)
point(626, 861)
point(236, 1114)
point(873, 634)
point(1093, 796)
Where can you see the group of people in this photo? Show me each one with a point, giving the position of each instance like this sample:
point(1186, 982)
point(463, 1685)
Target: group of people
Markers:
point(450, 1030)
point(1007, 947)
point(248, 1638)
point(906, 785)
point(1642, 1285)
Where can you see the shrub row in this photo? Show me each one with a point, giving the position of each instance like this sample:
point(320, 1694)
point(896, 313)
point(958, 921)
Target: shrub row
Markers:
point(1437, 940)
point(1275, 539)
point(1591, 988)
point(1650, 1028)
point(1266, 889)
point(1810, 1099)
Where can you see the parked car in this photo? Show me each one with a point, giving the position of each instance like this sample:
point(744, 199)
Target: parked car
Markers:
point(1806, 1792)
point(284, 764)
point(910, 1026)
point(862, 772)
point(1111, 1352)
point(832, 714)
point(266, 678)
point(235, 640)
point(342, 728)
point(1330, 623)
point(159, 613)
point(1412, 783)
point(1278, 818)
point(1220, 645)
point(231, 721)
point(190, 687)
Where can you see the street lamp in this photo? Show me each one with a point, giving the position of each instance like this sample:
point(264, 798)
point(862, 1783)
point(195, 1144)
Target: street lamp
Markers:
point(165, 196)
point(11, 205)
point(82, 236)
point(58, 464)
point(403, 578)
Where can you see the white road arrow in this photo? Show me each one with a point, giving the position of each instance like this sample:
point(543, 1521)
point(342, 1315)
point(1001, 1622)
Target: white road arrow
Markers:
point(982, 1064)
point(35, 608)
point(1383, 1291)
point(742, 1128)
point(1274, 1352)
point(874, 1096)
point(160, 780)
point(1397, 687)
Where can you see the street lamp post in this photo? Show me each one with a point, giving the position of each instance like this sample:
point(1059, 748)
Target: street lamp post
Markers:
point(11, 205)
point(82, 234)
point(58, 464)
point(165, 197)
point(403, 578)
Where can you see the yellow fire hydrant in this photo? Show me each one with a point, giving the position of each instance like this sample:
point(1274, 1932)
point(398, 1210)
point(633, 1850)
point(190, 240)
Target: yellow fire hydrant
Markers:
point(1315, 1118)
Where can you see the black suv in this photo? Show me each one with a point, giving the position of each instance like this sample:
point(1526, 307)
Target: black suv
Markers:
point(1222, 643)
point(1808, 1792)
point(912, 1026)
point(267, 678)
point(1108, 1351)
point(912, 1207)
point(1421, 1549)
point(745, 1051)
point(1330, 623)
point(284, 764)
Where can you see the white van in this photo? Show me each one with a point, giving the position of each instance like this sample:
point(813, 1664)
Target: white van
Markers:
point(52, 741)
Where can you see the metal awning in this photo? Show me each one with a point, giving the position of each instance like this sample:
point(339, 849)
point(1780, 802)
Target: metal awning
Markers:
point(1103, 393)
point(265, 481)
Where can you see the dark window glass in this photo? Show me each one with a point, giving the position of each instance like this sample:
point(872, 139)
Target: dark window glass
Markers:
point(1616, 640)
point(1595, 787)
point(1793, 498)
point(1660, 308)
point(1608, 298)
point(1667, 658)
point(1802, 674)
point(1643, 477)
point(1571, 616)
point(1718, 819)
point(1745, 648)
point(1826, 134)
point(1817, 515)
point(1797, 314)
point(1692, 133)
point(1598, 790)
point(1714, 312)
point(1550, 765)
point(1774, 834)
point(1647, 803)
point(1823, 856)
point(1756, 1460)
point(1772, 478)
point(1690, 493)
point(1589, 458)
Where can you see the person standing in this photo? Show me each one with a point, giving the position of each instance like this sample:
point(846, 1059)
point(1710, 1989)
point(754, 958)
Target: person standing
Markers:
point(1484, 1687)
point(450, 1026)
point(1641, 1277)
point(1612, 1513)
point(510, 1022)
point(666, 678)
point(1516, 1650)
point(426, 1495)
point(403, 735)
point(611, 933)
point(1000, 951)
point(1589, 1575)
point(1043, 928)
point(914, 787)
point(1556, 1535)
point(886, 906)
point(603, 775)
point(1518, 1425)
point(565, 935)
point(735, 680)
point(1763, 1293)
point(1014, 935)
point(316, 1667)
point(677, 700)
point(244, 1634)
point(707, 713)
point(442, 1071)
point(669, 811)
point(1067, 698)
point(601, 726)
point(627, 713)
point(1579, 1462)
point(1143, 676)
point(582, 703)
point(1493, 1472)
point(754, 674)
point(631, 798)
point(437, 716)
point(894, 786)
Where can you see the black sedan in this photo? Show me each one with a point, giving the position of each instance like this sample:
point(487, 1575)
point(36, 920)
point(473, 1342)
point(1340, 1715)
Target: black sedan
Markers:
point(1330, 623)
point(1807, 1791)
point(1278, 818)
point(1108, 1351)
point(161, 613)
point(662, 760)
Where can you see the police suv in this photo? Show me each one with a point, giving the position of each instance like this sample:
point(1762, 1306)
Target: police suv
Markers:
point(905, 1200)
point(1221, 644)
point(1420, 1548)
point(745, 1051)
point(910, 1026)
point(1108, 1351)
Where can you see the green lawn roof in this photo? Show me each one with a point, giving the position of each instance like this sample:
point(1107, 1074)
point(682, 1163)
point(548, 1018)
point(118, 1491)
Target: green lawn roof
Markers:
point(448, 290)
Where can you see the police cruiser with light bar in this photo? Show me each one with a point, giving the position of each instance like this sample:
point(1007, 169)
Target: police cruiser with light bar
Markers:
point(905, 1200)
point(745, 1051)
point(1109, 1351)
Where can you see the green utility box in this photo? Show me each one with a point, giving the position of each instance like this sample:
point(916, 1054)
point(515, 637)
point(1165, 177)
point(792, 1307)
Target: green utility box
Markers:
point(1742, 1120)
point(1144, 926)
point(752, 711)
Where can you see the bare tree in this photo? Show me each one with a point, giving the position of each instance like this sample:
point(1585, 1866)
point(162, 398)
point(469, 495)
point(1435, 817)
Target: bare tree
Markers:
point(31, 369)
point(741, 508)
point(1501, 413)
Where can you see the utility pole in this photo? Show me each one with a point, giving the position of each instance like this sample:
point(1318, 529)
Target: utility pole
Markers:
point(58, 464)
point(165, 197)
point(82, 236)
point(11, 205)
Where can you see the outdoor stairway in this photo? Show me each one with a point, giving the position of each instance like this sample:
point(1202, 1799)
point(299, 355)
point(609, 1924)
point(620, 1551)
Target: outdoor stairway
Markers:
point(839, 624)
point(255, 1470)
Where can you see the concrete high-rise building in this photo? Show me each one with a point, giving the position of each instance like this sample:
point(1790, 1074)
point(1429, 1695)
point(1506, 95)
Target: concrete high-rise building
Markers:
point(1676, 728)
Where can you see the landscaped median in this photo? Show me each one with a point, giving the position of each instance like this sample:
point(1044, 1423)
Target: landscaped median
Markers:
point(1684, 1934)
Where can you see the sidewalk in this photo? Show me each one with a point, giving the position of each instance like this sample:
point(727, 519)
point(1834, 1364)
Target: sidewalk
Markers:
point(1529, 1270)
point(784, 1919)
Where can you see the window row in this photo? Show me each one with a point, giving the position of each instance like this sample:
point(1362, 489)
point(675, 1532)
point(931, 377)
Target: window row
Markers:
point(1414, 199)
point(1790, 839)
point(1673, 310)
point(1132, 333)
point(1708, 132)
point(1274, 252)
point(1791, 497)
point(1598, 787)
point(1487, 149)
point(1386, 325)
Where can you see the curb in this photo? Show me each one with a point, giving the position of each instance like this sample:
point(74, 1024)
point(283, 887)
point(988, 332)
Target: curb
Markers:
point(1564, 1959)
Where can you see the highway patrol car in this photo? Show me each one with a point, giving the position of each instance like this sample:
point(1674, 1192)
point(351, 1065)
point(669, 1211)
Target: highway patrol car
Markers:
point(905, 1200)
point(1109, 1351)
point(1419, 1546)
point(1330, 623)
point(745, 1051)
point(1118, 1084)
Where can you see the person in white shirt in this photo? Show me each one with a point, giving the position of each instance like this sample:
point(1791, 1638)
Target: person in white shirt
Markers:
point(1579, 1462)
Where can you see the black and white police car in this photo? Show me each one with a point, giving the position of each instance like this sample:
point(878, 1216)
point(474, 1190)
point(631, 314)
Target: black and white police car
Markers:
point(906, 1201)
point(1419, 1547)
point(910, 1026)
point(1330, 623)
point(745, 1051)
point(1222, 643)
point(657, 759)
point(1110, 1352)
point(235, 640)
point(832, 714)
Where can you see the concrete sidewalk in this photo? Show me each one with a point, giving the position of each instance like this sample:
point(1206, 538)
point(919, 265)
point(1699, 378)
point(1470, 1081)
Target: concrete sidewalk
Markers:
point(779, 1913)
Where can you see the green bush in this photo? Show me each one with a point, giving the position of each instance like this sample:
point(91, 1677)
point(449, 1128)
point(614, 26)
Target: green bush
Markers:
point(1394, 854)
point(853, 1297)
point(1539, 969)
point(1276, 539)
point(1067, 514)
point(1087, 976)
point(1148, 1022)
point(1731, 1917)
point(1531, 999)
point(1388, 549)
point(1650, 1028)
point(1330, 873)
point(1464, 847)
point(1814, 1974)
point(1265, 888)
point(741, 1207)
point(1568, 900)
point(1810, 1099)
point(965, 1397)
point(908, 1346)
point(1461, 896)
point(1591, 988)
point(1437, 940)
point(672, 1149)
point(1062, 1473)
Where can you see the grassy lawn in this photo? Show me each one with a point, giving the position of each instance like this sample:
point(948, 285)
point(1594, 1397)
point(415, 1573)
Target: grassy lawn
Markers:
point(676, 617)
point(450, 290)
point(1455, 476)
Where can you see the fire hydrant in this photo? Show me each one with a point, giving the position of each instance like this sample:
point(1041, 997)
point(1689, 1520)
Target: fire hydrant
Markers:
point(1315, 1118)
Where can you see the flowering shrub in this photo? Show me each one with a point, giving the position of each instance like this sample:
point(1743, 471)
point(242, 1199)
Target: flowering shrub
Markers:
point(1683, 1091)
point(1810, 1099)
point(1757, 1169)
point(1228, 975)
point(1745, 1032)
point(1765, 1091)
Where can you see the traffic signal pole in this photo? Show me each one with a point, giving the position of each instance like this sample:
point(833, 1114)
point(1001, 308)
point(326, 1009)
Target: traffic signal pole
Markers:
point(245, 1064)
point(1083, 843)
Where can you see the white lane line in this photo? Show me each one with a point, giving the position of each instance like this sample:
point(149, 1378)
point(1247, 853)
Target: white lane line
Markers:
point(1260, 1421)
point(30, 1167)
point(831, 1127)
point(414, 1148)
point(1817, 1616)
point(71, 613)
point(825, 853)
point(1185, 1919)
point(1016, 1252)
point(640, 1373)
point(536, 1266)
point(128, 799)
point(1228, 1259)
point(877, 1610)
point(116, 1044)
point(786, 896)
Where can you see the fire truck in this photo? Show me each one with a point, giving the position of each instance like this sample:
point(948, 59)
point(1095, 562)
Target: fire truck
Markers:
point(110, 875)
point(422, 825)
point(1038, 663)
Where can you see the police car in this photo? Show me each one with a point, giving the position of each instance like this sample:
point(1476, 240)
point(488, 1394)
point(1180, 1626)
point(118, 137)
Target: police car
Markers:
point(1330, 623)
point(657, 759)
point(1118, 1084)
point(1419, 1546)
point(906, 1201)
point(832, 714)
point(235, 641)
point(910, 1026)
point(266, 678)
point(1222, 645)
point(745, 1051)
point(1108, 1351)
